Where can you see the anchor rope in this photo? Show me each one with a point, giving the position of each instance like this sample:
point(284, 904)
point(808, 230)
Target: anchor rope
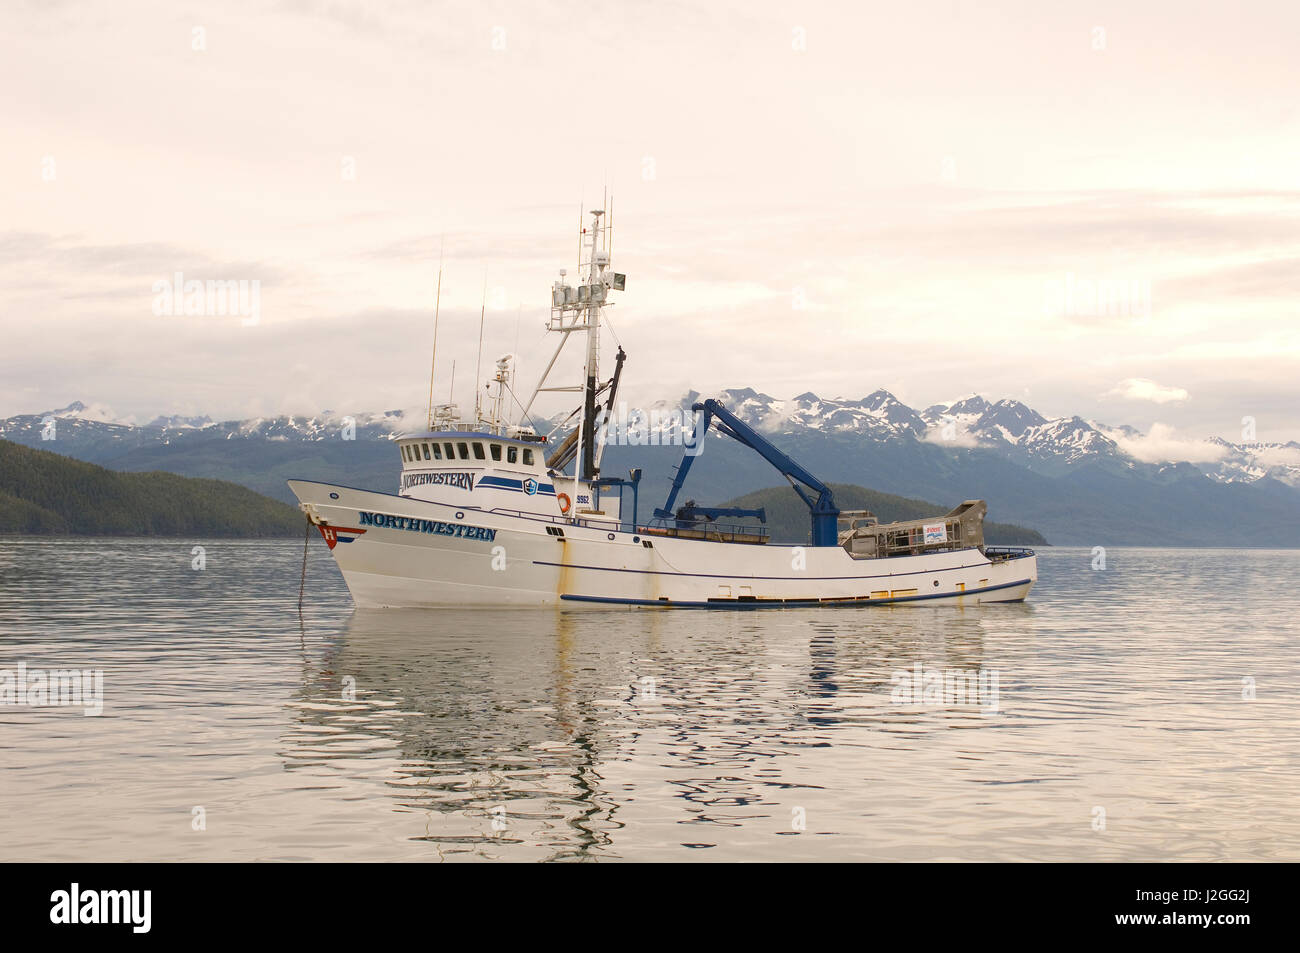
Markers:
point(306, 537)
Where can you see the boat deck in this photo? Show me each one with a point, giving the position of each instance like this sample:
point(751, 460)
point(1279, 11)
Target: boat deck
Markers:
point(714, 534)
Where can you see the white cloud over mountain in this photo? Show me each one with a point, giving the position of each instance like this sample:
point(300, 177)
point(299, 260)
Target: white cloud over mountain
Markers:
point(1140, 388)
point(1163, 444)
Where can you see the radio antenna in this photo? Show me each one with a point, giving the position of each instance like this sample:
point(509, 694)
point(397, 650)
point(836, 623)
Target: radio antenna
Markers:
point(437, 304)
point(478, 362)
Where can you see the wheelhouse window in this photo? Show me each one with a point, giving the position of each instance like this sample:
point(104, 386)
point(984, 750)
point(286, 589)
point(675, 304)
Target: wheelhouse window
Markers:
point(512, 454)
point(495, 448)
point(478, 452)
point(426, 450)
point(406, 453)
point(528, 456)
point(437, 451)
point(464, 450)
point(451, 452)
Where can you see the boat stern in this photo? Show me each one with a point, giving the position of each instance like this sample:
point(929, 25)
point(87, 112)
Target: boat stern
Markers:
point(1017, 571)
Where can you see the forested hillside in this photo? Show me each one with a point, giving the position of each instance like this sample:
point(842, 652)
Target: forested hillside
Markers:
point(43, 492)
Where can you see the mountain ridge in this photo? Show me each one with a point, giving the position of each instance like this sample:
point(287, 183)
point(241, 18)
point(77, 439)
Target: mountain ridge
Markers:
point(1006, 425)
point(1074, 480)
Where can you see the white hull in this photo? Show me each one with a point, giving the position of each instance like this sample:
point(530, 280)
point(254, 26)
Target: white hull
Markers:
point(400, 552)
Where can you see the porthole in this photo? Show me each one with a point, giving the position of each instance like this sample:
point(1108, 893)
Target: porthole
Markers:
point(334, 496)
point(460, 516)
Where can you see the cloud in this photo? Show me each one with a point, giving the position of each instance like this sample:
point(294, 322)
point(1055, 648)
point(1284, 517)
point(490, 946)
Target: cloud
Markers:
point(1141, 388)
point(922, 275)
point(958, 437)
point(68, 259)
point(1284, 456)
point(1163, 445)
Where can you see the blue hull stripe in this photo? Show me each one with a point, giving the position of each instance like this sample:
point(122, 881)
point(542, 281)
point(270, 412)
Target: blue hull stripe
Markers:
point(787, 603)
point(718, 575)
point(505, 483)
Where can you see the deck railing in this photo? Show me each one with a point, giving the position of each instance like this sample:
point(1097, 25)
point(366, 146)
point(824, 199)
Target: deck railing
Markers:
point(1002, 553)
point(593, 523)
point(706, 530)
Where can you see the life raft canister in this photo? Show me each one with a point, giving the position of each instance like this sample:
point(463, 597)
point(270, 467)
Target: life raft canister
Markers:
point(565, 502)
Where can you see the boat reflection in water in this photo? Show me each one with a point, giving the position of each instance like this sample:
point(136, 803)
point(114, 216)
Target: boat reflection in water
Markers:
point(526, 735)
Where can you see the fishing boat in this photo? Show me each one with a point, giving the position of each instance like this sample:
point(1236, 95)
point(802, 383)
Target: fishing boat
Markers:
point(489, 511)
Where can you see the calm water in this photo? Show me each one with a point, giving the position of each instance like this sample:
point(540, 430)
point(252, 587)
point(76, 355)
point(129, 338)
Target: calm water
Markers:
point(605, 735)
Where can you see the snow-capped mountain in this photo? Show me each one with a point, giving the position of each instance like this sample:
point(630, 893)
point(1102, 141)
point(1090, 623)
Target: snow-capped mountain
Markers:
point(879, 415)
point(1073, 479)
point(1248, 463)
point(1007, 427)
point(1010, 425)
point(78, 428)
point(177, 422)
point(1006, 421)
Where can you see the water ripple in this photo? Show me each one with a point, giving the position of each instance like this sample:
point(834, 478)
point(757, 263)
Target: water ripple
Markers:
point(594, 734)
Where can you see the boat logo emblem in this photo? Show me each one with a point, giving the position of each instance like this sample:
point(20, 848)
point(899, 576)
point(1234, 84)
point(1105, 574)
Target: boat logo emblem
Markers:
point(530, 486)
point(338, 534)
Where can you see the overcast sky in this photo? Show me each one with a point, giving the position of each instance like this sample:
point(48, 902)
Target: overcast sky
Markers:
point(826, 197)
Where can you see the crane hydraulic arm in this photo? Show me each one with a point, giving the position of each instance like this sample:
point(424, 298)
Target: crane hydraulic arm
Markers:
point(815, 494)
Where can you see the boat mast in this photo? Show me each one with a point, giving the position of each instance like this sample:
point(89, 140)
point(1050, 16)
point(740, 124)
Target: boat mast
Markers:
point(496, 418)
point(579, 309)
point(595, 265)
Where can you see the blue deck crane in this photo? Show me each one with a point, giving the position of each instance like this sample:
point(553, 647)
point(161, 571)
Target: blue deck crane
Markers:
point(816, 494)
